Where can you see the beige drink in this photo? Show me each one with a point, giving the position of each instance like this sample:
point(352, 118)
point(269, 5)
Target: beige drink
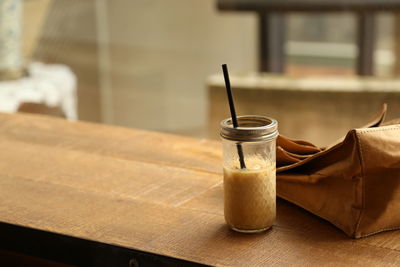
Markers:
point(250, 195)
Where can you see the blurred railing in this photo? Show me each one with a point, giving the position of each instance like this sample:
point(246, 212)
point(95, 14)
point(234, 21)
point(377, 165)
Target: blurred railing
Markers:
point(272, 28)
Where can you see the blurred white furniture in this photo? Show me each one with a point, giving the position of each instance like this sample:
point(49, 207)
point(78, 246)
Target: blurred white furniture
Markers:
point(49, 84)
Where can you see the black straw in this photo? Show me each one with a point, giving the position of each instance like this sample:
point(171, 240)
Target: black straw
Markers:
point(233, 113)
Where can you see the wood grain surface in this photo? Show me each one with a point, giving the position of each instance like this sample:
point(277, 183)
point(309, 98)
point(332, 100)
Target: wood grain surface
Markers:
point(156, 193)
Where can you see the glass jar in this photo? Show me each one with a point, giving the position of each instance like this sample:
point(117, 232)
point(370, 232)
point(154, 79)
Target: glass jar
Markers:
point(249, 163)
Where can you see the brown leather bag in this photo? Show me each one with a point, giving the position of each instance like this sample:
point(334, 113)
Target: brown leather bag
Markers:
point(354, 184)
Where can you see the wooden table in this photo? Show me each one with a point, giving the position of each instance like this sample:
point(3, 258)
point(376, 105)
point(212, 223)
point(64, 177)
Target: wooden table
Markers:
point(94, 195)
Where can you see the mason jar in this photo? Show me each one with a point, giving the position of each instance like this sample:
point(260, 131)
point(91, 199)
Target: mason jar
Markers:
point(249, 164)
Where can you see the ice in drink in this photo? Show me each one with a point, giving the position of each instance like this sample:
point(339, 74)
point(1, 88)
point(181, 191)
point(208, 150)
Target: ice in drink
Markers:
point(250, 195)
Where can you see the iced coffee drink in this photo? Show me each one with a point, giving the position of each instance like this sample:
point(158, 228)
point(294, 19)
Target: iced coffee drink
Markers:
point(249, 195)
point(249, 156)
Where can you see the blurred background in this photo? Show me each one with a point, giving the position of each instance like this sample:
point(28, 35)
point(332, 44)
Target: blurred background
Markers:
point(156, 65)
